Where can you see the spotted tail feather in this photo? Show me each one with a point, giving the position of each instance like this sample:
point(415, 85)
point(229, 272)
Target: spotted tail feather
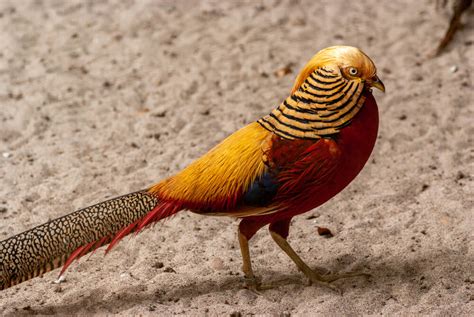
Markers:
point(61, 241)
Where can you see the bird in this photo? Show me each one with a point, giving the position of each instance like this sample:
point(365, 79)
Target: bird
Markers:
point(304, 152)
point(459, 7)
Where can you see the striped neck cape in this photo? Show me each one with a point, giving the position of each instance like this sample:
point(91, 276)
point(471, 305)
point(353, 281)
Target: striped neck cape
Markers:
point(323, 104)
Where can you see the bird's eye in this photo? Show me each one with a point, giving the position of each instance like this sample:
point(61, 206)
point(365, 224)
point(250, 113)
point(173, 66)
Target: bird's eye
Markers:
point(353, 71)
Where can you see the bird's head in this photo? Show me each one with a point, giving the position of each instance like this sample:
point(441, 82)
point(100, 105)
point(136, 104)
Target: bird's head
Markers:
point(350, 62)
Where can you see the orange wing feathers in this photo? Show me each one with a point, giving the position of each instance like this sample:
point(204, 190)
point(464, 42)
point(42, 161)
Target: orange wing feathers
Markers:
point(216, 181)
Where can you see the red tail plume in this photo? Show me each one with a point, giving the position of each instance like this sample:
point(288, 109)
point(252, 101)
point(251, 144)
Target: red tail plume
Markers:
point(161, 211)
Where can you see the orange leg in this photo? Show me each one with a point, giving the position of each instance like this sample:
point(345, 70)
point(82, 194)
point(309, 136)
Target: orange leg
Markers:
point(279, 232)
point(247, 228)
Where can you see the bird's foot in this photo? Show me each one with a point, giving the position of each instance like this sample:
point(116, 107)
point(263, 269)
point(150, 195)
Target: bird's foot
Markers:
point(326, 280)
point(255, 285)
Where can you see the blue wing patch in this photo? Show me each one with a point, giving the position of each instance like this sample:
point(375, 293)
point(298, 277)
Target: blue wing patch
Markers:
point(262, 190)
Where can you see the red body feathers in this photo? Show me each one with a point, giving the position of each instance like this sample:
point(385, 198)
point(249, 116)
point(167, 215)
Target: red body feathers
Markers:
point(312, 172)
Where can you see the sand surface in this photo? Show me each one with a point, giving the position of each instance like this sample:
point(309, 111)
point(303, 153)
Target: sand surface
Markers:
point(101, 98)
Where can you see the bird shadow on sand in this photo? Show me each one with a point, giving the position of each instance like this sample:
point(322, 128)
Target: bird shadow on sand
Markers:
point(384, 276)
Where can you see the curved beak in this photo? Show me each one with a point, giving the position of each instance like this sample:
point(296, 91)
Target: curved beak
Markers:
point(377, 83)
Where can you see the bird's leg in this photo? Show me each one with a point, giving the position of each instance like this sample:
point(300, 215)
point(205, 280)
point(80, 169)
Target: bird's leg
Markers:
point(250, 279)
point(247, 228)
point(279, 233)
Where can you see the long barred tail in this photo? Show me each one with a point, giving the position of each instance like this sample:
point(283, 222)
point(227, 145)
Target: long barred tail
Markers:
point(61, 241)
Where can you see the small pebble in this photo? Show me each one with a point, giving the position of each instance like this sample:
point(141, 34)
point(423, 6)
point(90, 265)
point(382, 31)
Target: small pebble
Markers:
point(313, 216)
point(325, 232)
point(158, 265)
point(460, 175)
point(285, 70)
point(6, 154)
point(60, 279)
point(169, 270)
point(217, 264)
point(124, 275)
point(453, 69)
point(402, 117)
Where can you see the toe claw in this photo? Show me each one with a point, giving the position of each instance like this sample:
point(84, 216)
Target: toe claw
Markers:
point(255, 285)
point(326, 280)
point(335, 277)
point(328, 285)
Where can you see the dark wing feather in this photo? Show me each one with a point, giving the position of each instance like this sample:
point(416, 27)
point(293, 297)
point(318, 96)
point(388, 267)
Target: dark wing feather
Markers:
point(262, 190)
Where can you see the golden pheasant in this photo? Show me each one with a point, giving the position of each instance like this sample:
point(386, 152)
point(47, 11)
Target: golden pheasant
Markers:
point(294, 159)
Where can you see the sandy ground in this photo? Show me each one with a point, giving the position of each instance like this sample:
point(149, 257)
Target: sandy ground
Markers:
point(101, 98)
